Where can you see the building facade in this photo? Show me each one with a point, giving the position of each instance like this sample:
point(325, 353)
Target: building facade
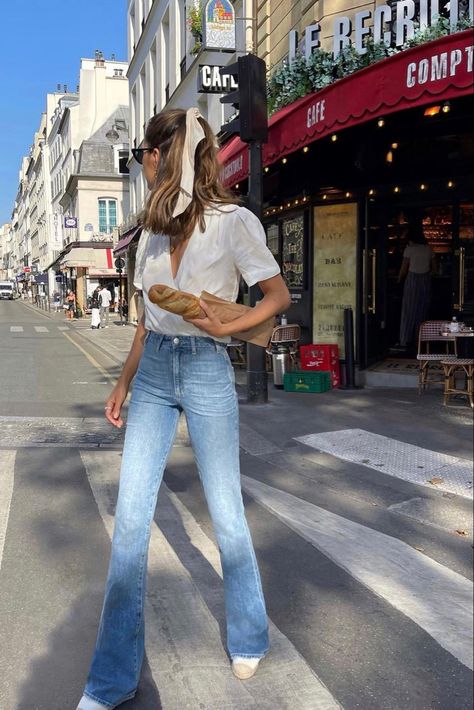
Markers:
point(165, 54)
point(353, 162)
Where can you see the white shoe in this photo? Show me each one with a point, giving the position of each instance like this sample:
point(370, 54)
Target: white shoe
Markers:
point(86, 703)
point(244, 668)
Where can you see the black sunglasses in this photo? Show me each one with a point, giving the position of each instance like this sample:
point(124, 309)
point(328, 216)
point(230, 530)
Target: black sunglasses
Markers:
point(139, 152)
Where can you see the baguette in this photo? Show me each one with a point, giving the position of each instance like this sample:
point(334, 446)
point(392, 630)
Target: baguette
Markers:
point(179, 302)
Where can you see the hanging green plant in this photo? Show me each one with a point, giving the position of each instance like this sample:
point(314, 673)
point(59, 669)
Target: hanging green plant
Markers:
point(287, 83)
point(194, 21)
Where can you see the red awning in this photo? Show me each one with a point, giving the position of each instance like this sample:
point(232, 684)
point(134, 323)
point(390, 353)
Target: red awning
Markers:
point(438, 70)
point(123, 243)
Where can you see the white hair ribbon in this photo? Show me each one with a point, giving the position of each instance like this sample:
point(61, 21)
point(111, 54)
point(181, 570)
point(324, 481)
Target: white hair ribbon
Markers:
point(194, 135)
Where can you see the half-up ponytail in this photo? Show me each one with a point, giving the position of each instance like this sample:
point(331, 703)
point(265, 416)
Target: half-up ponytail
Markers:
point(167, 131)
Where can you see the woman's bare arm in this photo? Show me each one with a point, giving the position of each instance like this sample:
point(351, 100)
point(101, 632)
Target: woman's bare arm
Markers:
point(276, 299)
point(403, 269)
point(113, 405)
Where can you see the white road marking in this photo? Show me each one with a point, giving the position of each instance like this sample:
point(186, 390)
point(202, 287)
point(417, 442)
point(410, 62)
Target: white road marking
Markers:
point(16, 329)
point(80, 383)
point(396, 458)
point(7, 469)
point(439, 600)
point(41, 329)
point(184, 645)
point(63, 327)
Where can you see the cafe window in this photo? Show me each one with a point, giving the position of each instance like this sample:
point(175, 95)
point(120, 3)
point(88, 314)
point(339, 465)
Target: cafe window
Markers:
point(273, 239)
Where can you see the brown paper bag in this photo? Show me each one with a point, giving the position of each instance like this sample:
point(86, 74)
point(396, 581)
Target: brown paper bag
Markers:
point(228, 311)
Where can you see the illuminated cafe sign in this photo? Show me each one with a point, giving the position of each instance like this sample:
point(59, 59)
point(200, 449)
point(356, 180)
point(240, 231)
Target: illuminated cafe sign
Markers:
point(389, 24)
point(211, 82)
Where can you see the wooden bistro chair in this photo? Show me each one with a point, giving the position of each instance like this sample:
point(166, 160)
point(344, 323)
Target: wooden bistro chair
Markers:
point(453, 366)
point(429, 353)
point(289, 335)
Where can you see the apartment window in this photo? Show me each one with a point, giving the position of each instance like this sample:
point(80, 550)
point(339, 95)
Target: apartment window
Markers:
point(107, 215)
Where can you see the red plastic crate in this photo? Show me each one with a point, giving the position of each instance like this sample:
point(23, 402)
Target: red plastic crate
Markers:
point(319, 356)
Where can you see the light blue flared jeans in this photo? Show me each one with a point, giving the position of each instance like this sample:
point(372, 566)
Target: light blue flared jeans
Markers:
point(194, 375)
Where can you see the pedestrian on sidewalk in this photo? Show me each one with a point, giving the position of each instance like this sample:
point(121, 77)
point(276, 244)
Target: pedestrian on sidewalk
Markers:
point(71, 305)
point(95, 309)
point(56, 302)
point(123, 310)
point(105, 299)
point(183, 366)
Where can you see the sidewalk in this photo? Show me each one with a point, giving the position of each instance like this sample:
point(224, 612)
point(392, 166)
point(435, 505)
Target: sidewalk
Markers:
point(398, 413)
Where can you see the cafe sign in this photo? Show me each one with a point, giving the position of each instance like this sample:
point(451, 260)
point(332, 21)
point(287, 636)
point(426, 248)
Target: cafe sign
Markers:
point(210, 80)
point(392, 25)
point(335, 257)
point(219, 25)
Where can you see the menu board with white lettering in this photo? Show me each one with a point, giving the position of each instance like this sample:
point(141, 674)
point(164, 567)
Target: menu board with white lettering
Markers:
point(292, 231)
point(335, 240)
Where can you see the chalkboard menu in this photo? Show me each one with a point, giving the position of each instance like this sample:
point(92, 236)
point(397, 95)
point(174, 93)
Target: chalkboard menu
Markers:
point(292, 231)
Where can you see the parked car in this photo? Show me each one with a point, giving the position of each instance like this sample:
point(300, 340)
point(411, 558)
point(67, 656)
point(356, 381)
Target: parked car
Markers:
point(6, 290)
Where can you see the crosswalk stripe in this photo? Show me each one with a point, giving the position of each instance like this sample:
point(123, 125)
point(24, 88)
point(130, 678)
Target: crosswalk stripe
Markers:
point(41, 329)
point(396, 458)
point(7, 468)
point(439, 600)
point(184, 646)
point(63, 327)
point(16, 329)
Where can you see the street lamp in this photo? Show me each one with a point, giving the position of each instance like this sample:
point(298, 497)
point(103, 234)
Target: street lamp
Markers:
point(112, 134)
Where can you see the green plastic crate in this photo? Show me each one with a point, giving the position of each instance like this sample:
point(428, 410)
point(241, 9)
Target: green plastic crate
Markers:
point(307, 381)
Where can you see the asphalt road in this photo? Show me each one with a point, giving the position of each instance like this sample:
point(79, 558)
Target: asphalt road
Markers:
point(365, 577)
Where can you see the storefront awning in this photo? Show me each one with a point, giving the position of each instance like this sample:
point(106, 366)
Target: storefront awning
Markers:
point(81, 257)
point(98, 262)
point(438, 70)
point(127, 239)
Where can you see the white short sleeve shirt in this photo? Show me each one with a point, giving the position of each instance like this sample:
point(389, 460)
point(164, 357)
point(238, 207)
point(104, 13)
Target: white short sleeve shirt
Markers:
point(232, 245)
point(419, 256)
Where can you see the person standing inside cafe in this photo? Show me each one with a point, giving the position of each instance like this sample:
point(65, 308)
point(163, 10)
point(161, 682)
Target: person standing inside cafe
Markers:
point(416, 270)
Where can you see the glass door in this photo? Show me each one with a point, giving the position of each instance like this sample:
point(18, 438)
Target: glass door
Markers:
point(463, 276)
point(373, 340)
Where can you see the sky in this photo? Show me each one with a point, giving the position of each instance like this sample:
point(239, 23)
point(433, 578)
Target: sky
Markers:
point(42, 45)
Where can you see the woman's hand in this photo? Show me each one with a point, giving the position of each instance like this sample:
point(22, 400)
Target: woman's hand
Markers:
point(113, 405)
point(211, 323)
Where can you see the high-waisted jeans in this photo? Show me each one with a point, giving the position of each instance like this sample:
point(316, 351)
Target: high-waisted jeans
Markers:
point(194, 375)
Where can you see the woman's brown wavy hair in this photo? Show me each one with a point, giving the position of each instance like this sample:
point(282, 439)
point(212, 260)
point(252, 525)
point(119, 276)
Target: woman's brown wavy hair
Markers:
point(166, 131)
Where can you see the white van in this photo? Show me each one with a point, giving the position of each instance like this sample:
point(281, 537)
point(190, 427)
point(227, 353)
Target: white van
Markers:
point(6, 290)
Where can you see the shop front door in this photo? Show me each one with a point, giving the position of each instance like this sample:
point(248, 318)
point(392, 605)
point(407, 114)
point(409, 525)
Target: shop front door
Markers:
point(463, 271)
point(373, 259)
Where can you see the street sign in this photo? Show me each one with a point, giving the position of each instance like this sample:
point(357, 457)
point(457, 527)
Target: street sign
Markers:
point(27, 269)
point(119, 264)
point(70, 222)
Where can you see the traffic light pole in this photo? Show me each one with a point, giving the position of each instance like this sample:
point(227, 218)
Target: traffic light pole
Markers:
point(257, 377)
point(251, 125)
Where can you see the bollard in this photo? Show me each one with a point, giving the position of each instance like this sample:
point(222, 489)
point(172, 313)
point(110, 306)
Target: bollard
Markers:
point(349, 349)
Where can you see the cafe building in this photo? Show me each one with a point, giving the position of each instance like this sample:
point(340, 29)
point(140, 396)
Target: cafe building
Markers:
point(348, 168)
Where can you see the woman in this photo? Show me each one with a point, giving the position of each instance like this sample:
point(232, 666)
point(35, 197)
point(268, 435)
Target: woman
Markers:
point(95, 309)
point(195, 238)
point(417, 267)
point(71, 305)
